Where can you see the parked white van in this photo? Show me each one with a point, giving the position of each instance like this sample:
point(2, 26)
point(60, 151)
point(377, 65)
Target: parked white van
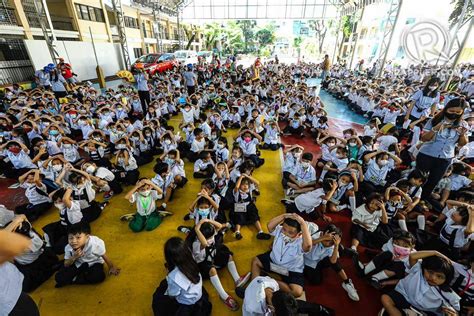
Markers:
point(186, 56)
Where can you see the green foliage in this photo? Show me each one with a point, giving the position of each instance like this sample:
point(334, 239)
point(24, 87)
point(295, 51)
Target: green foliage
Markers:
point(297, 41)
point(265, 37)
point(457, 10)
point(347, 25)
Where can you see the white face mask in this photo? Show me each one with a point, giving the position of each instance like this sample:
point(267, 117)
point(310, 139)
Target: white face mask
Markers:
point(145, 193)
point(305, 164)
point(287, 239)
point(167, 141)
point(432, 88)
point(57, 167)
point(90, 169)
point(220, 146)
point(298, 154)
point(383, 162)
point(331, 144)
point(352, 143)
point(121, 146)
point(67, 146)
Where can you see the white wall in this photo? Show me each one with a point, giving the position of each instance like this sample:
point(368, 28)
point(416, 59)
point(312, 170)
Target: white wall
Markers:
point(80, 55)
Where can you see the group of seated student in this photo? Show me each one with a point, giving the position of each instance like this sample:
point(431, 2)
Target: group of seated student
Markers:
point(404, 181)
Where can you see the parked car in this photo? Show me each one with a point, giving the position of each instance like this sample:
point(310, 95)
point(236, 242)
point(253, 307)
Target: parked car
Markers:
point(155, 63)
point(186, 56)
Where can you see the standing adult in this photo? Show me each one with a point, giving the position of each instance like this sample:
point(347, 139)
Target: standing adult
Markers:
point(141, 78)
point(441, 135)
point(66, 71)
point(325, 65)
point(58, 84)
point(42, 78)
point(190, 79)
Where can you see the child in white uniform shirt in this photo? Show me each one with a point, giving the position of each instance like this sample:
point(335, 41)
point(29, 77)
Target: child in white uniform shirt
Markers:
point(36, 263)
point(391, 263)
point(84, 258)
point(36, 192)
point(292, 241)
point(368, 223)
point(263, 297)
point(325, 253)
point(181, 292)
point(426, 287)
point(145, 193)
point(210, 253)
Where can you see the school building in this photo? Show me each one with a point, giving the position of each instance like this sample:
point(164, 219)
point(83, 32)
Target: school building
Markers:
point(72, 24)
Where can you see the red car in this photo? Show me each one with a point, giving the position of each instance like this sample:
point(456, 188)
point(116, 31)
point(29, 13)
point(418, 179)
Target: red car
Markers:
point(155, 63)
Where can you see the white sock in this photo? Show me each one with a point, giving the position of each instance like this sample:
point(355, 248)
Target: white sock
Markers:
point(216, 283)
point(341, 207)
point(379, 276)
point(323, 174)
point(421, 222)
point(369, 267)
point(354, 247)
point(233, 270)
point(46, 239)
point(352, 202)
point(403, 224)
point(105, 188)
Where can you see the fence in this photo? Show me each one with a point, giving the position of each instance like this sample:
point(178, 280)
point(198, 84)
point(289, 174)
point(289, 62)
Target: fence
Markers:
point(12, 71)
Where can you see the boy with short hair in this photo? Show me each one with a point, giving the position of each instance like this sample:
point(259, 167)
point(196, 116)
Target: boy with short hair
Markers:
point(84, 258)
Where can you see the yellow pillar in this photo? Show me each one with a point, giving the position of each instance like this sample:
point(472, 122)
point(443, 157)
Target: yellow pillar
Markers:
point(71, 9)
point(142, 33)
point(21, 17)
point(106, 19)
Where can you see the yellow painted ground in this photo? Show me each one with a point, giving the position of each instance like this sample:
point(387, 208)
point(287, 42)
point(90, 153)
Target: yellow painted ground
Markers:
point(140, 255)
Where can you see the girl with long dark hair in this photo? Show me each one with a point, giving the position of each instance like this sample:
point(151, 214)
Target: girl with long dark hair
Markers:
point(424, 100)
point(181, 292)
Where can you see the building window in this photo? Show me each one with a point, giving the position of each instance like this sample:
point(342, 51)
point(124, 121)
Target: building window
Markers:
point(131, 22)
point(85, 12)
point(137, 52)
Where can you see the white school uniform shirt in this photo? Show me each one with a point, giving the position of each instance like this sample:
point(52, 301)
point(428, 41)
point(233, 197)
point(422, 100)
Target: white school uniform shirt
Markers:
point(206, 129)
point(22, 160)
point(385, 141)
point(325, 153)
point(163, 184)
point(449, 226)
point(341, 163)
point(416, 290)
point(255, 302)
point(467, 151)
point(271, 135)
point(11, 280)
point(249, 148)
point(308, 201)
point(377, 174)
point(132, 164)
point(372, 220)
point(188, 116)
point(198, 146)
point(182, 289)
point(200, 165)
point(177, 168)
point(459, 181)
point(290, 162)
point(145, 204)
point(32, 194)
point(390, 117)
point(287, 255)
point(222, 154)
point(70, 153)
point(104, 174)
point(318, 252)
point(304, 175)
point(368, 131)
point(33, 252)
point(74, 213)
point(93, 251)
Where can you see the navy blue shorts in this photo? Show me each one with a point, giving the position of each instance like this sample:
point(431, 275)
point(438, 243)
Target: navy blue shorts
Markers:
point(291, 278)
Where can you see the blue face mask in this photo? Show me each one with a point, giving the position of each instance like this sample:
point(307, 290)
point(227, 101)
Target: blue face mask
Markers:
point(203, 212)
point(53, 132)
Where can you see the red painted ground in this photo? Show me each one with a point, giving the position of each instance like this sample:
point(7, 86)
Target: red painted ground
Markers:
point(330, 292)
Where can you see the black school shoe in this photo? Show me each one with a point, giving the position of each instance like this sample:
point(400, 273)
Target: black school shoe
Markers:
point(263, 236)
point(240, 292)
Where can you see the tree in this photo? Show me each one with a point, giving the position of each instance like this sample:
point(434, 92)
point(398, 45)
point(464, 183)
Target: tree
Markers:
point(456, 13)
point(347, 26)
point(212, 34)
point(265, 37)
point(320, 28)
point(248, 30)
